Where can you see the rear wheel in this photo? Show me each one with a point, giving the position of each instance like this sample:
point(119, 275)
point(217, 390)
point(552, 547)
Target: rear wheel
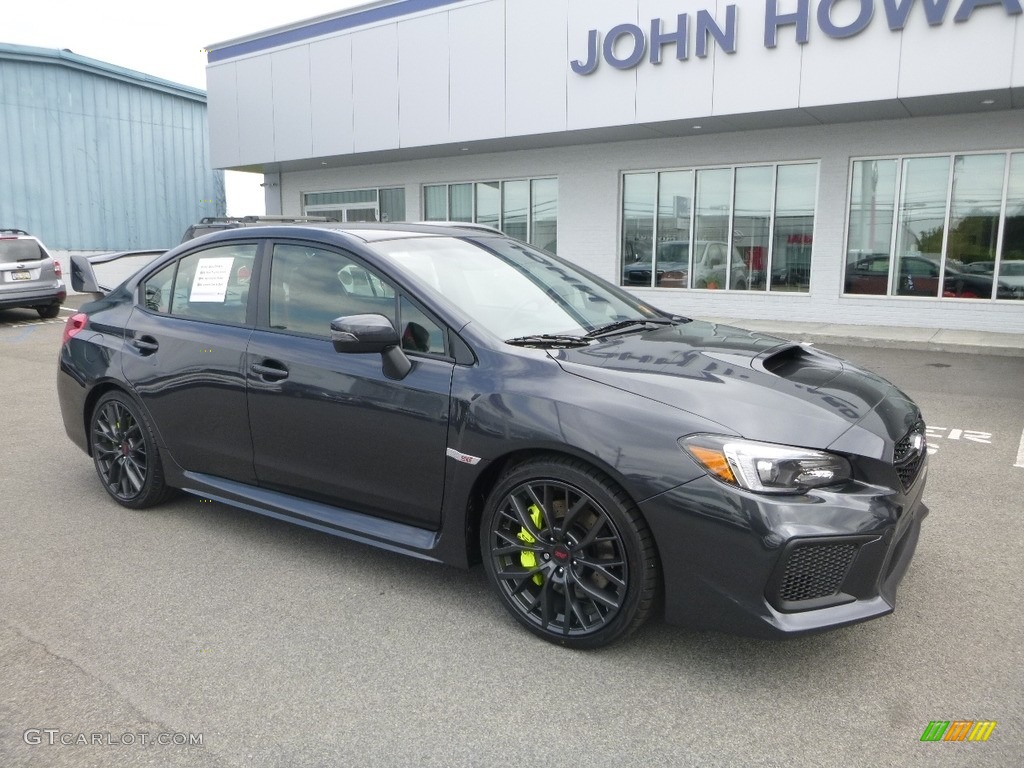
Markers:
point(125, 453)
point(568, 553)
point(48, 312)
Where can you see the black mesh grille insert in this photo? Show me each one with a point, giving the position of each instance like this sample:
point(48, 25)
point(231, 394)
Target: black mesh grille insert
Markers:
point(815, 570)
point(907, 459)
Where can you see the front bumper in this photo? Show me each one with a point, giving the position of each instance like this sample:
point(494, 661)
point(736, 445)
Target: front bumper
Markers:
point(774, 566)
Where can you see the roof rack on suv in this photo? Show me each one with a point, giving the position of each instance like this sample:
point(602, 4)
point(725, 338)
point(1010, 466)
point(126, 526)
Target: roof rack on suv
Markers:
point(463, 225)
point(12, 231)
point(209, 224)
point(260, 219)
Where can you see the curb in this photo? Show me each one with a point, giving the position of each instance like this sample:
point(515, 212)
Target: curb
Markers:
point(949, 347)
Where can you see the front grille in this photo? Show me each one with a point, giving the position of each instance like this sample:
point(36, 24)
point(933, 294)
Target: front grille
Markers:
point(814, 571)
point(908, 458)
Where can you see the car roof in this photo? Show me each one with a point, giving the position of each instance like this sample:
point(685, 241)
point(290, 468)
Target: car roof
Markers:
point(365, 231)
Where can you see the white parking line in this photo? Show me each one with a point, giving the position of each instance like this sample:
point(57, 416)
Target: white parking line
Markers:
point(1020, 452)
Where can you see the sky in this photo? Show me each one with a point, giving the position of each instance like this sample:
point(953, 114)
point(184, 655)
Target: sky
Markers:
point(164, 40)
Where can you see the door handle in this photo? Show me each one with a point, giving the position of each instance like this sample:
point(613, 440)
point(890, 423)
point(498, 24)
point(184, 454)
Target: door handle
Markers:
point(273, 372)
point(147, 345)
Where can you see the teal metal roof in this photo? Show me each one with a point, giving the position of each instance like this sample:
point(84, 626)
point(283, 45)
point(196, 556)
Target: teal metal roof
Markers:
point(72, 60)
point(97, 157)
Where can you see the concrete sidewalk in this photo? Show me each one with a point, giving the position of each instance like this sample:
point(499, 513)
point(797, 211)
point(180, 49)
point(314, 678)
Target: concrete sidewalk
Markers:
point(933, 339)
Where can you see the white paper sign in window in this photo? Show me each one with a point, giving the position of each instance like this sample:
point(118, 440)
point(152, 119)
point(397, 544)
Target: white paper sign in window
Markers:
point(211, 280)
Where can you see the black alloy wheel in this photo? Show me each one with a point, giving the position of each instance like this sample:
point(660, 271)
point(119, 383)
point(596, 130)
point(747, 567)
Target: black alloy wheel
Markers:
point(124, 452)
point(568, 553)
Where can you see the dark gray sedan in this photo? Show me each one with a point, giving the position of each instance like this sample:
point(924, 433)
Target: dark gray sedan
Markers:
point(458, 396)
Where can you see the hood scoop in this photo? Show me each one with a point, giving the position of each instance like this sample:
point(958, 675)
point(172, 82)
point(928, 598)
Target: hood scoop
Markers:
point(800, 364)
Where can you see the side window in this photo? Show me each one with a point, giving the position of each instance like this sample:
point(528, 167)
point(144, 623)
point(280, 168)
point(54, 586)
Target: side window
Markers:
point(919, 268)
point(419, 333)
point(716, 255)
point(156, 291)
point(310, 287)
point(359, 281)
point(212, 284)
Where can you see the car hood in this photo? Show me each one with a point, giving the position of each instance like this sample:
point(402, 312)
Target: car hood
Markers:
point(755, 385)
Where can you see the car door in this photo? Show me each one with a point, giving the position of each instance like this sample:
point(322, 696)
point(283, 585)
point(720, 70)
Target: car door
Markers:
point(868, 276)
point(184, 355)
point(332, 427)
point(918, 277)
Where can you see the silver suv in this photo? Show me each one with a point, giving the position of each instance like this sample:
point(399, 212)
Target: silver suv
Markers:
point(29, 277)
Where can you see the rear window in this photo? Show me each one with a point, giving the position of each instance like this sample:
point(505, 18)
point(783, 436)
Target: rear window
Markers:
point(20, 250)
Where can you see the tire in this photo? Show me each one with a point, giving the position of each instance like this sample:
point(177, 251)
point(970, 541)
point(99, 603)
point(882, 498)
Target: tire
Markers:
point(124, 452)
point(48, 312)
point(568, 553)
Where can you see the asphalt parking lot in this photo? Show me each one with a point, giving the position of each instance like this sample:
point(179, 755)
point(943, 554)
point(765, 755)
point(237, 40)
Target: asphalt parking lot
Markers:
point(278, 646)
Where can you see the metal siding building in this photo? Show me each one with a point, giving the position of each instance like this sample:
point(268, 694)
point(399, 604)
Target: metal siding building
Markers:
point(94, 157)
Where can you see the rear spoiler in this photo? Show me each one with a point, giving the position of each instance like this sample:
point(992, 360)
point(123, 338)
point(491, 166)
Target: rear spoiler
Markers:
point(113, 269)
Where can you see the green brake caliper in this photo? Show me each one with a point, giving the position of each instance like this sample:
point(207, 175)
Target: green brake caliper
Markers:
point(529, 559)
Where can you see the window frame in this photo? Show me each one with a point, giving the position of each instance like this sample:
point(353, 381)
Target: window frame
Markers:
point(249, 319)
point(320, 209)
point(474, 199)
point(900, 159)
point(730, 241)
point(262, 321)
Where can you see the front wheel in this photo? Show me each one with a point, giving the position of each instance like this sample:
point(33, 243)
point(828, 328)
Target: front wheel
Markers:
point(125, 453)
point(568, 553)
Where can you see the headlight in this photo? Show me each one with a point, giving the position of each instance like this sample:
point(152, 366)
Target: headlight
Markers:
point(765, 467)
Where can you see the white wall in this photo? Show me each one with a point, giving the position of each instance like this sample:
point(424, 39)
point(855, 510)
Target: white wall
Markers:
point(588, 219)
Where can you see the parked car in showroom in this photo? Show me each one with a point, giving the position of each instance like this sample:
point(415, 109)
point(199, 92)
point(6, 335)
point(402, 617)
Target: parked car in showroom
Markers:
point(1011, 274)
point(673, 267)
point(919, 276)
point(673, 258)
point(459, 396)
point(29, 276)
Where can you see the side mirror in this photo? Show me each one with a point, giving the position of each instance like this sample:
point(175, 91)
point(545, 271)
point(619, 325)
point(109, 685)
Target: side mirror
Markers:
point(371, 333)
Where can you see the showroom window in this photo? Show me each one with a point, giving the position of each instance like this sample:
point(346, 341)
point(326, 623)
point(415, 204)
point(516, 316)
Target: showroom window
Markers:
point(526, 209)
point(743, 228)
point(938, 226)
point(357, 204)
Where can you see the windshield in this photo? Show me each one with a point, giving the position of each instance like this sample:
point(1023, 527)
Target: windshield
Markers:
point(513, 290)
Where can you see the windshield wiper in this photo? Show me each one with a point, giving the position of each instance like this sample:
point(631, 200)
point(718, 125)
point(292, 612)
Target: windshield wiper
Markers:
point(549, 341)
point(622, 325)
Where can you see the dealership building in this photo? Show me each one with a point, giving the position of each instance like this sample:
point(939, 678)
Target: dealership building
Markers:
point(849, 161)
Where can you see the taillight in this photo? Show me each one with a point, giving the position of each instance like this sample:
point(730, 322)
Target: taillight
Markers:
point(75, 324)
point(57, 270)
